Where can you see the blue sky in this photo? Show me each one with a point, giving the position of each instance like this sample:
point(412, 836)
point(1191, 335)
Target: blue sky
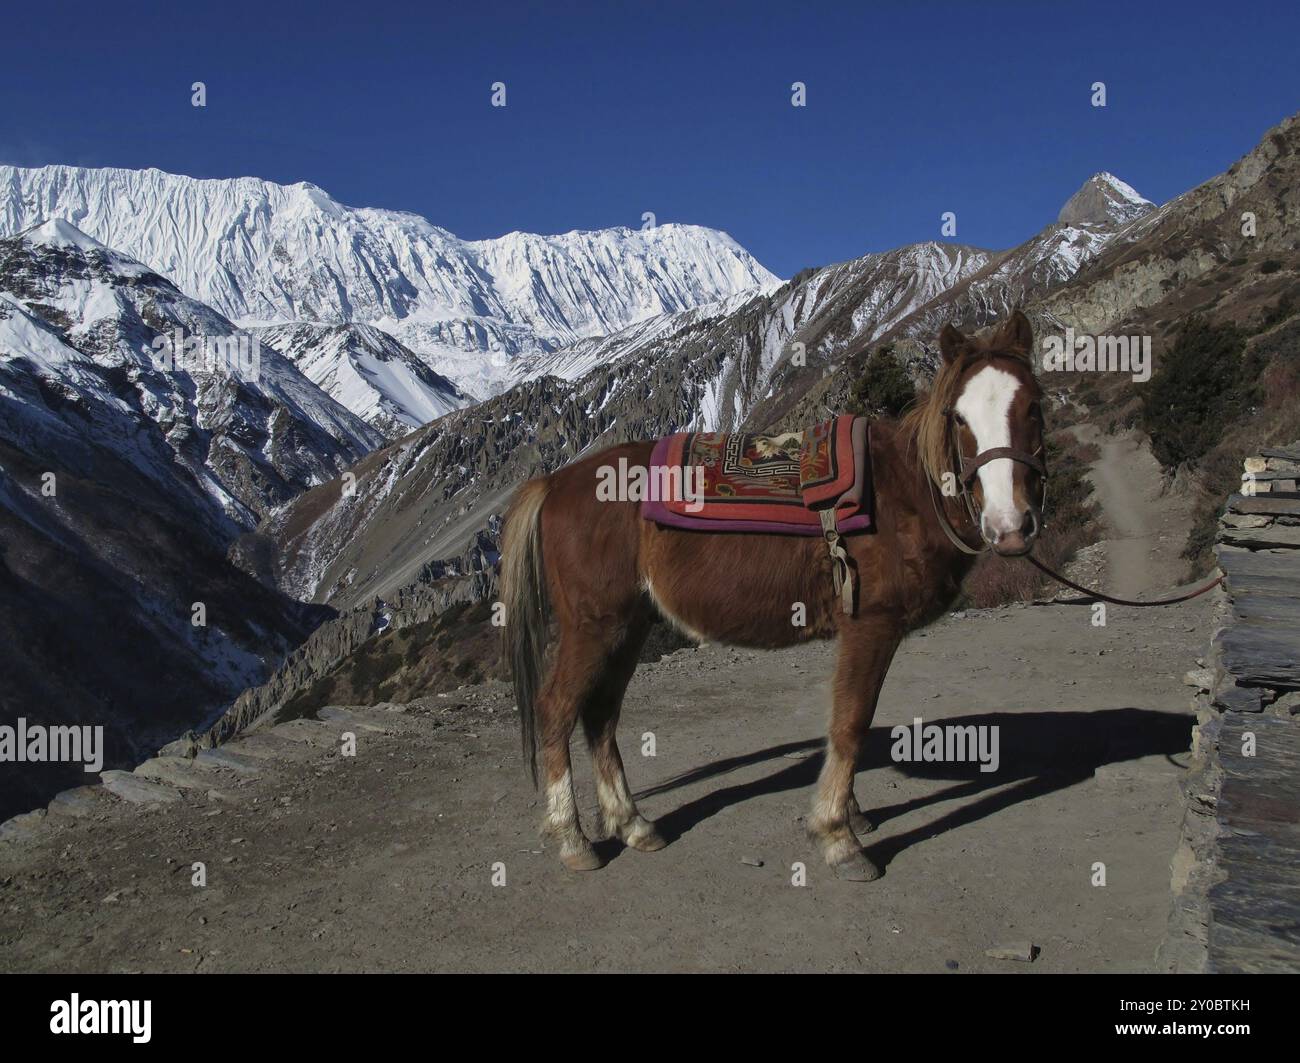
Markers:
point(682, 109)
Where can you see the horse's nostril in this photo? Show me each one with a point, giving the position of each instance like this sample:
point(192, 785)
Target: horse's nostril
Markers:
point(1029, 527)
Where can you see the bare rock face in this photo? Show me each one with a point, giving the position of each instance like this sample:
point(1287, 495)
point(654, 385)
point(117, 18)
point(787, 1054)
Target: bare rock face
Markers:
point(424, 507)
point(1104, 200)
point(1243, 219)
point(123, 479)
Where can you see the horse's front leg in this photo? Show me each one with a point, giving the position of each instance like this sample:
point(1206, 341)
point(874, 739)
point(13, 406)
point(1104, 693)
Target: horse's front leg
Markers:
point(867, 646)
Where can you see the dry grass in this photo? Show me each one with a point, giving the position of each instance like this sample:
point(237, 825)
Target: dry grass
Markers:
point(1070, 524)
point(1000, 580)
point(1274, 423)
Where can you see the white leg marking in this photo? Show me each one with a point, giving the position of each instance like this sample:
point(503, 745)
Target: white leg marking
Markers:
point(561, 805)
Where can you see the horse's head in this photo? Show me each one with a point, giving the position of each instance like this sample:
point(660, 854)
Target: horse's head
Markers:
point(992, 428)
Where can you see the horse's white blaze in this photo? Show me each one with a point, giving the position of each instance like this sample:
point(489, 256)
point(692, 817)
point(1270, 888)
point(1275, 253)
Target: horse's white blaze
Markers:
point(985, 405)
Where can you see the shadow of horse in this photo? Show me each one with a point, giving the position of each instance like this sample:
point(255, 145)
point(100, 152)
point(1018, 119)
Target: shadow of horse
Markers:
point(1039, 752)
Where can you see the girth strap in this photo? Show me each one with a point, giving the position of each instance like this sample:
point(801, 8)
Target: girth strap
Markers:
point(841, 567)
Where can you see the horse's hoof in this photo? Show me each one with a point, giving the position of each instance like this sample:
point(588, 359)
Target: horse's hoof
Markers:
point(857, 868)
point(645, 840)
point(859, 824)
point(582, 860)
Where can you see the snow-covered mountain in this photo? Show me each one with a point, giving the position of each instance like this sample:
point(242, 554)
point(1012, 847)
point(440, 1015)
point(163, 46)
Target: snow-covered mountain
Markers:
point(219, 413)
point(824, 309)
point(127, 470)
point(837, 310)
point(1104, 200)
point(263, 253)
point(780, 356)
point(369, 372)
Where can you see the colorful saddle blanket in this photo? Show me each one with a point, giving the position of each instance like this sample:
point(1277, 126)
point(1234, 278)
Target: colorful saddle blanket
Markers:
point(765, 483)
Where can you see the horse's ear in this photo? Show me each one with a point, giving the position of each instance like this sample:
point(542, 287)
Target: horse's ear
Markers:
point(1016, 335)
point(952, 342)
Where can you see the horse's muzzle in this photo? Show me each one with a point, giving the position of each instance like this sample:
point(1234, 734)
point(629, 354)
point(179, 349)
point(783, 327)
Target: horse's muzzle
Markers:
point(1019, 542)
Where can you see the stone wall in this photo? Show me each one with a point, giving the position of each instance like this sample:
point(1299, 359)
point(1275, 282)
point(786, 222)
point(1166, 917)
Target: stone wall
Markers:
point(1237, 872)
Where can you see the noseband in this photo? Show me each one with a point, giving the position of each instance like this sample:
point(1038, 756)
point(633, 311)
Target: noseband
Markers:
point(969, 468)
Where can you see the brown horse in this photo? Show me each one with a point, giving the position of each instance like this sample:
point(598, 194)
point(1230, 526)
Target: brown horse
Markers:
point(603, 573)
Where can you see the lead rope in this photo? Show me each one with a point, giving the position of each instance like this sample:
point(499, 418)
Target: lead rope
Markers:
point(841, 568)
point(956, 541)
point(1120, 601)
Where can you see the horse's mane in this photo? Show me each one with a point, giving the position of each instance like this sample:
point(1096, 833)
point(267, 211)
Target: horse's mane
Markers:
point(925, 425)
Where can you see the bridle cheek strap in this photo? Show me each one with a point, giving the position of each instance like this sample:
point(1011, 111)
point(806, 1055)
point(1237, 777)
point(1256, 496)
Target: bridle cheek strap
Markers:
point(971, 466)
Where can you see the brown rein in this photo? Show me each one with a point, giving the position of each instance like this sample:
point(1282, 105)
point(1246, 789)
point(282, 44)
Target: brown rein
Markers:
point(1120, 601)
point(971, 466)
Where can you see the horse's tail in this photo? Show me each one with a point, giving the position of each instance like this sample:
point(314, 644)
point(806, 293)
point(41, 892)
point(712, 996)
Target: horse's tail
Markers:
point(523, 593)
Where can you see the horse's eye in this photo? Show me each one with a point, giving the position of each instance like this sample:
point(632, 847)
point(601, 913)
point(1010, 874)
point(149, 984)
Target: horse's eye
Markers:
point(959, 419)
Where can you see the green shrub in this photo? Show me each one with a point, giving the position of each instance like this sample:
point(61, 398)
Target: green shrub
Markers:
point(884, 386)
point(1204, 383)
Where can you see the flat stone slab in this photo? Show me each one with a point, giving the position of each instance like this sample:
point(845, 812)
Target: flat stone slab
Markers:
point(224, 758)
point(1270, 475)
point(264, 746)
point(131, 787)
point(23, 826)
point(1263, 504)
point(1232, 698)
point(77, 802)
point(175, 771)
point(1275, 536)
point(313, 732)
point(1261, 653)
point(1254, 520)
point(1251, 606)
point(343, 720)
point(1273, 572)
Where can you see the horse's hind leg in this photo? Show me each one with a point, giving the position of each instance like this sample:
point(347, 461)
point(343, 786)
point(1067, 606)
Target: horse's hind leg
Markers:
point(600, 720)
point(866, 648)
point(579, 663)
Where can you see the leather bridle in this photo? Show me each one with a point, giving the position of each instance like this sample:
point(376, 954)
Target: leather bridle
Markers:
point(968, 469)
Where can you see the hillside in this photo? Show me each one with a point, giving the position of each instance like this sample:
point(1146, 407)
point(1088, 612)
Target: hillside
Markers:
point(426, 507)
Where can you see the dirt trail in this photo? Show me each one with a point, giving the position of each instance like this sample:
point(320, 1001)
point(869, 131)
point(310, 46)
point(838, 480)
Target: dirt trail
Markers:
point(1145, 529)
point(385, 860)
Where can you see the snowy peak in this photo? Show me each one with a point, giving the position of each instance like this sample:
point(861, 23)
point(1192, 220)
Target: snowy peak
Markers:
point(261, 253)
point(1104, 200)
point(58, 237)
point(55, 232)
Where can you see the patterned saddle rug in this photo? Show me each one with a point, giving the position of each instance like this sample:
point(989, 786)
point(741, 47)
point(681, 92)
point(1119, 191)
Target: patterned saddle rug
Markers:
point(765, 483)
